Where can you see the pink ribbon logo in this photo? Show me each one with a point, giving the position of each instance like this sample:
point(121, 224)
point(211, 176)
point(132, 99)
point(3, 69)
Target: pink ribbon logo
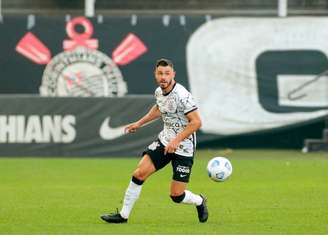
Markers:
point(79, 39)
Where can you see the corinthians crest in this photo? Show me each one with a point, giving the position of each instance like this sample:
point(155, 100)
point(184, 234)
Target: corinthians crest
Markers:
point(81, 70)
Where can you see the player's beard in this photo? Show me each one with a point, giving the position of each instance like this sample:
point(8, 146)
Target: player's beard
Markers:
point(163, 86)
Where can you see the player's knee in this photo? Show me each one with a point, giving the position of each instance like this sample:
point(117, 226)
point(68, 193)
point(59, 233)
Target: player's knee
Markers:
point(140, 175)
point(178, 198)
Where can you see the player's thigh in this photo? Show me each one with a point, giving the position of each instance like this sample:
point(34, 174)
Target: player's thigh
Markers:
point(178, 187)
point(156, 154)
point(181, 167)
point(145, 168)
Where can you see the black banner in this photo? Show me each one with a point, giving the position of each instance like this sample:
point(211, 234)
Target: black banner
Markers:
point(85, 78)
point(36, 126)
point(162, 36)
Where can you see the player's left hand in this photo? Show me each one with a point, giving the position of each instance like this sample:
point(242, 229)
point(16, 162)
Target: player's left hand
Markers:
point(171, 147)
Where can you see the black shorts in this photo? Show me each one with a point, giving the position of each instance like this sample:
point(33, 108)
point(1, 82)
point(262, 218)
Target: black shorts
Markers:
point(181, 165)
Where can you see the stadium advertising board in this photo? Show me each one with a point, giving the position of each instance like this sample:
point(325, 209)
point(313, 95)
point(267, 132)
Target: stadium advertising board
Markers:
point(259, 74)
point(248, 75)
point(44, 126)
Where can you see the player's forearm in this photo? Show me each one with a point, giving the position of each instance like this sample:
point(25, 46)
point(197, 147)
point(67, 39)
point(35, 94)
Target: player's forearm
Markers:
point(153, 114)
point(192, 127)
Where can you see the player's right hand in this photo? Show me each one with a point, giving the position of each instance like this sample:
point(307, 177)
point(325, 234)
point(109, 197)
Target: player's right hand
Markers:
point(131, 128)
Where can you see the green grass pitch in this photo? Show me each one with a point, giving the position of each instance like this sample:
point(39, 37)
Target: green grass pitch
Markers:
point(269, 192)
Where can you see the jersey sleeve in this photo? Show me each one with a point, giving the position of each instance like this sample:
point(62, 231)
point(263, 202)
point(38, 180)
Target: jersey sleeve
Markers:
point(188, 103)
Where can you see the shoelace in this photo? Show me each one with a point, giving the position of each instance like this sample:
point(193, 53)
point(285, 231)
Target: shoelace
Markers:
point(115, 213)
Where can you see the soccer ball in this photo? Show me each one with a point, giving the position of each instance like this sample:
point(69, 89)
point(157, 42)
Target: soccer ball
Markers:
point(219, 169)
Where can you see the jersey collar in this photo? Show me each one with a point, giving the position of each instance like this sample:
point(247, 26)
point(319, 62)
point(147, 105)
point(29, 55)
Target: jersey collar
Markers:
point(166, 94)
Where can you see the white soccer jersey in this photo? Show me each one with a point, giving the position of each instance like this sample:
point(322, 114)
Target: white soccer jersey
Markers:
point(174, 106)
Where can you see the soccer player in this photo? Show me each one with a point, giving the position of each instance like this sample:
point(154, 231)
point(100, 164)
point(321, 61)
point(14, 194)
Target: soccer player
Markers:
point(176, 144)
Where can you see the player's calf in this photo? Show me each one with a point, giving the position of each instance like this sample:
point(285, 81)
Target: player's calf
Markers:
point(179, 198)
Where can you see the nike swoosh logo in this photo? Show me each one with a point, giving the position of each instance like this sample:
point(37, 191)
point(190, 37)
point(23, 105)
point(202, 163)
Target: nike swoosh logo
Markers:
point(107, 132)
point(182, 175)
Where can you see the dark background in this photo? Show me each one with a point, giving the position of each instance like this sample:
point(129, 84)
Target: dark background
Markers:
point(22, 76)
point(18, 75)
